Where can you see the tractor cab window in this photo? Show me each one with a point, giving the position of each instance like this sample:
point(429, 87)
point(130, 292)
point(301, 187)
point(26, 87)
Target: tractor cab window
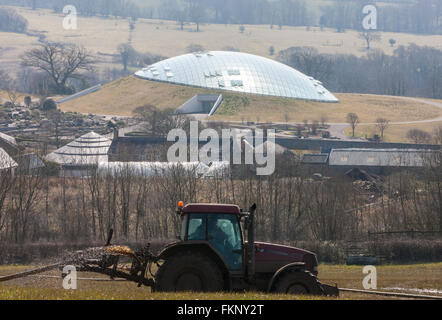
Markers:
point(197, 227)
point(221, 230)
point(225, 236)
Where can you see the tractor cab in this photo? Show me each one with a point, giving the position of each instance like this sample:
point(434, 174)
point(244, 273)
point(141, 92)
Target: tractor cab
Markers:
point(219, 225)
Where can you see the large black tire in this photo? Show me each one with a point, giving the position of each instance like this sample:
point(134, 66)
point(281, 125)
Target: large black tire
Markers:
point(189, 271)
point(298, 282)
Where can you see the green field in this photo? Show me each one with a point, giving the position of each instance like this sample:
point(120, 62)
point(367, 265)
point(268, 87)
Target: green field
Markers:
point(415, 276)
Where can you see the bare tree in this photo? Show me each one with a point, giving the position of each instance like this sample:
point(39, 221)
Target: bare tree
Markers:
point(6, 183)
point(56, 118)
point(157, 122)
point(62, 62)
point(353, 120)
point(309, 61)
point(418, 136)
point(13, 95)
point(382, 124)
point(126, 52)
point(181, 18)
point(370, 37)
point(25, 195)
point(196, 12)
point(9, 85)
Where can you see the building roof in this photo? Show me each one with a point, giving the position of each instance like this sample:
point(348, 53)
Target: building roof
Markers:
point(6, 162)
point(7, 138)
point(269, 146)
point(378, 157)
point(237, 71)
point(88, 149)
point(315, 158)
point(9, 144)
point(30, 161)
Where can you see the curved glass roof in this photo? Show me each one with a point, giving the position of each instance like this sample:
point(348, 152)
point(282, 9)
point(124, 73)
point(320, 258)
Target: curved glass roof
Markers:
point(237, 71)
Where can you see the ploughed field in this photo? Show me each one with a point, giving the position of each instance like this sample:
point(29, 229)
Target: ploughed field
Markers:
point(425, 279)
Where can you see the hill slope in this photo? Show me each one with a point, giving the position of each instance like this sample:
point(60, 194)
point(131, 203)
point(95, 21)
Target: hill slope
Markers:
point(124, 95)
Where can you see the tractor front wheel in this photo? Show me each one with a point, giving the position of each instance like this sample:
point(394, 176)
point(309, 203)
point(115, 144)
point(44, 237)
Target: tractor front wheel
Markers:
point(189, 271)
point(298, 282)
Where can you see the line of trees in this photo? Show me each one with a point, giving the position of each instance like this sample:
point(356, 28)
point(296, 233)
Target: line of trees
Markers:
point(410, 71)
point(421, 16)
point(39, 207)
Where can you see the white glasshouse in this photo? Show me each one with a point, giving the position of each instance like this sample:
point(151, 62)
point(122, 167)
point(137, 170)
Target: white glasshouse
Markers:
point(149, 169)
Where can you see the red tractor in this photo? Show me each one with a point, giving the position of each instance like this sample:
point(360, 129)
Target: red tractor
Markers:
point(213, 255)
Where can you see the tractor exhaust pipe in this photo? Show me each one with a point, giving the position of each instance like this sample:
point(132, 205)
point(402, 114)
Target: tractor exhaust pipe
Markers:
point(251, 243)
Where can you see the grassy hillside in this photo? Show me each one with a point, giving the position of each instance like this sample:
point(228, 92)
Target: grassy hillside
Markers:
point(124, 95)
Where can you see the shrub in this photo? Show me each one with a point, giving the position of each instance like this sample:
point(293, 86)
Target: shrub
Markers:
point(408, 250)
point(49, 105)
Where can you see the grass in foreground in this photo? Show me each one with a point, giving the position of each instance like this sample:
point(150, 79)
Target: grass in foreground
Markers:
point(420, 276)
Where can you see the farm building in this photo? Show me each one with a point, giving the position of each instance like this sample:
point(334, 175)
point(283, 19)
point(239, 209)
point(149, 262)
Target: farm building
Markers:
point(30, 162)
point(315, 158)
point(130, 148)
point(377, 160)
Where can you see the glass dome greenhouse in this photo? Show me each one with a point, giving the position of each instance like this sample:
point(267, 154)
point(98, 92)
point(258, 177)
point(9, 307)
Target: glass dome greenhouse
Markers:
point(237, 71)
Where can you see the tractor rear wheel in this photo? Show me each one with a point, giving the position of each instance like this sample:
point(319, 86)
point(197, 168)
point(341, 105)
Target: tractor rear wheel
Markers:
point(189, 271)
point(298, 282)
